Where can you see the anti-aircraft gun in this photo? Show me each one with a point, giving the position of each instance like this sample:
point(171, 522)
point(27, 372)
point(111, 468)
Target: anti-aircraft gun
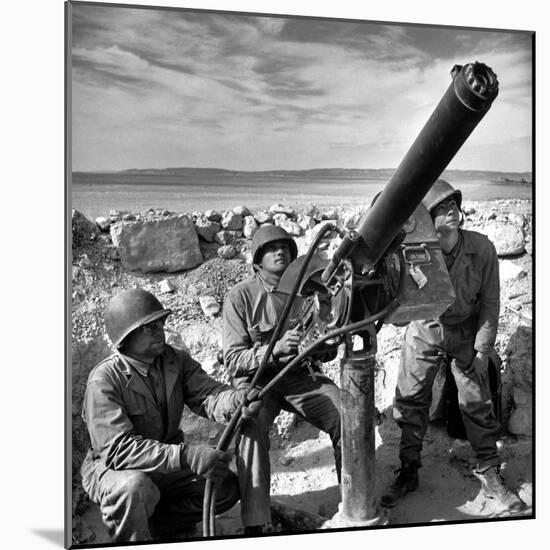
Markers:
point(390, 269)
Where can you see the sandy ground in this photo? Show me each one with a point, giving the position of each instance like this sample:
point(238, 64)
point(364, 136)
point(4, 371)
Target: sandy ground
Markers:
point(304, 478)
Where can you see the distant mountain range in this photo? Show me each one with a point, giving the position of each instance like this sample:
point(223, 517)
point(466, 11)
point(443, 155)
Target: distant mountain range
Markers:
point(382, 174)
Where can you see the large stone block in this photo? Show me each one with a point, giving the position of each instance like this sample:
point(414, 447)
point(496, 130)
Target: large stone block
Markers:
point(507, 238)
point(169, 244)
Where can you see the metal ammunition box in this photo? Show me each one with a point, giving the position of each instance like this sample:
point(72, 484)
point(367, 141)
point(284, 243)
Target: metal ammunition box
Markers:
point(427, 291)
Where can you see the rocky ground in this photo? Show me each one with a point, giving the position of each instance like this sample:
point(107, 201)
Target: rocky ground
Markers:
point(304, 477)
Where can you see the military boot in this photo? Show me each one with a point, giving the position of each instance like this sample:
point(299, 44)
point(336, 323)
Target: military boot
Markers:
point(406, 481)
point(493, 486)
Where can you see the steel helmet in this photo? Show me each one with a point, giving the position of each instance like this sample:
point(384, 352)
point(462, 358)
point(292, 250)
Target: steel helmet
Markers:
point(440, 191)
point(129, 310)
point(267, 234)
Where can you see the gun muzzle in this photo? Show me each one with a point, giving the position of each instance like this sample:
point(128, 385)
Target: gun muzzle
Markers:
point(468, 98)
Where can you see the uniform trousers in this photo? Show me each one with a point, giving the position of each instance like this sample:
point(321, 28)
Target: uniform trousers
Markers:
point(427, 345)
point(138, 506)
point(315, 400)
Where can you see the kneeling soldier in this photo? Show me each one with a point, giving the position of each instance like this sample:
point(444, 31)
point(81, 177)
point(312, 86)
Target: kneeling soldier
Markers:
point(146, 480)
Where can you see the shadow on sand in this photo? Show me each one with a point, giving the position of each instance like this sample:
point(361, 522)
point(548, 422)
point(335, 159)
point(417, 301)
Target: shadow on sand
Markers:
point(448, 489)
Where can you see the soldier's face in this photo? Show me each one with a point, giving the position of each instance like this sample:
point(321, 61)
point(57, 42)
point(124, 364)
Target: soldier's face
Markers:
point(276, 257)
point(446, 216)
point(147, 341)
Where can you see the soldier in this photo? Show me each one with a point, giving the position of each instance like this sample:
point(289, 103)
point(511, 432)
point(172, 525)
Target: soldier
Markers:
point(146, 480)
point(464, 336)
point(250, 316)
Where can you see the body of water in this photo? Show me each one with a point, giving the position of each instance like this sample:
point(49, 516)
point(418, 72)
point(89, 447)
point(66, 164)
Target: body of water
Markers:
point(95, 194)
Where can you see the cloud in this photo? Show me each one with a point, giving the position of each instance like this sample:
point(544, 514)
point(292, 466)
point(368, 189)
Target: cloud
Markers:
point(253, 92)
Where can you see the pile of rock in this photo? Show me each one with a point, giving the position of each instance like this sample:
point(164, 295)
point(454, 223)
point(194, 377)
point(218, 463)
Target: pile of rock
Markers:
point(166, 241)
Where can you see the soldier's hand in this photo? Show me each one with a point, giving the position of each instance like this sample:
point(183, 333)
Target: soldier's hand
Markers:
point(207, 461)
point(288, 344)
point(253, 404)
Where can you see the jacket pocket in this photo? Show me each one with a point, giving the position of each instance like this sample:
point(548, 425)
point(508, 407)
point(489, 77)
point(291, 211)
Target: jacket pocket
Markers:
point(145, 419)
point(136, 403)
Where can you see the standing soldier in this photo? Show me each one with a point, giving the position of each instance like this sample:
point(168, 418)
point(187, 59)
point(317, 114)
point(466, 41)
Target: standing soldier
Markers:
point(464, 335)
point(250, 316)
point(147, 481)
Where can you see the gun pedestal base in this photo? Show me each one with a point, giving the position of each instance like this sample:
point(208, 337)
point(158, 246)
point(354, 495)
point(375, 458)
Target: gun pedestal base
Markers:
point(340, 521)
point(358, 507)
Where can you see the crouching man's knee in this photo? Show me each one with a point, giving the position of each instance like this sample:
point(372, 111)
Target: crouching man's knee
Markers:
point(141, 489)
point(128, 499)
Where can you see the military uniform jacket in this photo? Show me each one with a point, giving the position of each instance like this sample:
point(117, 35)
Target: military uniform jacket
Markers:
point(125, 423)
point(475, 278)
point(250, 315)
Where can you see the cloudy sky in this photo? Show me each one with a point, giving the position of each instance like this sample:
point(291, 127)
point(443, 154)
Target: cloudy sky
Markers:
point(164, 88)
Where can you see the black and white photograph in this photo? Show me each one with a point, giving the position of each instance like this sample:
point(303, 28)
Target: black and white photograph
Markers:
point(300, 271)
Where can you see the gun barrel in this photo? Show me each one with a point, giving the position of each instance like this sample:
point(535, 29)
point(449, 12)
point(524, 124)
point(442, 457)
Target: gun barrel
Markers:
point(468, 98)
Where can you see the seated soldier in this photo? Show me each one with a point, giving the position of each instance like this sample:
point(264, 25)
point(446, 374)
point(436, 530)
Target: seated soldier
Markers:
point(250, 316)
point(147, 482)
